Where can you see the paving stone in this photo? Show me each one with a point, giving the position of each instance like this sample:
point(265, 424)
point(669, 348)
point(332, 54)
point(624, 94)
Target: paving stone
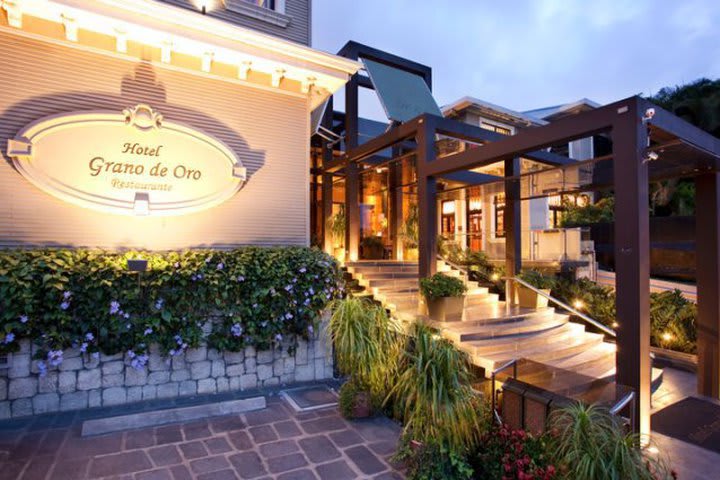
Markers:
point(223, 385)
point(165, 455)
point(322, 425)
point(384, 448)
point(273, 413)
point(149, 392)
point(74, 401)
point(271, 382)
point(389, 476)
point(227, 423)
point(95, 398)
point(379, 429)
point(228, 474)
point(188, 387)
point(70, 469)
point(168, 434)
point(37, 468)
point(276, 449)
point(209, 464)
point(286, 462)
point(127, 462)
point(217, 445)
point(319, 449)
point(5, 411)
point(195, 430)
point(134, 394)
point(213, 354)
point(22, 387)
point(365, 460)
point(287, 429)
point(263, 434)
point(154, 475)
point(140, 439)
point(181, 472)
point(248, 464)
point(241, 440)
point(76, 447)
point(248, 381)
point(303, 474)
point(192, 450)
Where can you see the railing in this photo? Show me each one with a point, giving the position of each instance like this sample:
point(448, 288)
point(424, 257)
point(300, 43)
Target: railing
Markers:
point(624, 402)
point(511, 363)
point(565, 306)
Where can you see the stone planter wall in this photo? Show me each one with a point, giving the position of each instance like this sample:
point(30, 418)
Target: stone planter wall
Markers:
point(82, 382)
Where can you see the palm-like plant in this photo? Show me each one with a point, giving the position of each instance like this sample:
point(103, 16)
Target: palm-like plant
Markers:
point(366, 343)
point(591, 445)
point(433, 393)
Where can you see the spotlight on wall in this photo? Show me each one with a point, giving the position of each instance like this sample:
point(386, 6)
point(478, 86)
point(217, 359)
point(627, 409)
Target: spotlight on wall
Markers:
point(651, 157)
point(578, 304)
point(649, 114)
point(615, 324)
point(494, 277)
point(667, 336)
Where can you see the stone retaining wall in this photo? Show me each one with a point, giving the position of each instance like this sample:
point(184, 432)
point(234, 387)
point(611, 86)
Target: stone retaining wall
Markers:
point(83, 382)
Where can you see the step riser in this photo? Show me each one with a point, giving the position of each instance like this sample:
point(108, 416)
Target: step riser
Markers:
point(520, 344)
point(497, 333)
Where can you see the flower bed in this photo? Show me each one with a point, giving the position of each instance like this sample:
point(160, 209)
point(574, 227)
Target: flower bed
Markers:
point(60, 299)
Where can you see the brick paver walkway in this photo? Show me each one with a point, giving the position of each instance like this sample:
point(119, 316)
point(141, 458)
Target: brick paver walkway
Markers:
point(272, 443)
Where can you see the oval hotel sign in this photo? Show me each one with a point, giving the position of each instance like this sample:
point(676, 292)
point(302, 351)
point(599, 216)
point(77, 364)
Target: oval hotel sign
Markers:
point(133, 163)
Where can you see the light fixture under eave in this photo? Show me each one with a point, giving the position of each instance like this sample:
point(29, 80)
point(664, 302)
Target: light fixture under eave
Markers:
point(277, 76)
point(71, 28)
point(166, 51)
point(244, 69)
point(121, 41)
point(207, 60)
point(14, 13)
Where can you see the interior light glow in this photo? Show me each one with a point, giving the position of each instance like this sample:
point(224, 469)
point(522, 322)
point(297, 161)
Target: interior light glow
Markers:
point(207, 60)
point(244, 69)
point(121, 41)
point(166, 51)
point(277, 76)
point(14, 13)
point(448, 208)
point(615, 324)
point(71, 28)
point(667, 336)
point(578, 304)
point(141, 206)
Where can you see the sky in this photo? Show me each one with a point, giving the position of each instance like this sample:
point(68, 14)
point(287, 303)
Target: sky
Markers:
point(526, 54)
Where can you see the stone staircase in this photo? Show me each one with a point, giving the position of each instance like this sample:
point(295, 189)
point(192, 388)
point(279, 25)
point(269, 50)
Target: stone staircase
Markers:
point(492, 332)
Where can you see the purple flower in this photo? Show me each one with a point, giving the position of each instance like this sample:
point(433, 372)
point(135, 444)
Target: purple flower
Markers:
point(236, 330)
point(9, 338)
point(178, 339)
point(126, 315)
point(23, 319)
point(240, 278)
point(159, 304)
point(89, 337)
point(139, 362)
point(207, 260)
point(278, 338)
point(65, 305)
point(288, 288)
point(42, 368)
point(55, 357)
point(220, 266)
point(172, 352)
point(114, 307)
point(67, 294)
point(177, 264)
point(310, 329)
point(288, 315)
point(148, 331)
point(131, 354)
point(303, 270)
point(96, 355)
point(83, 347)
point(199, 276)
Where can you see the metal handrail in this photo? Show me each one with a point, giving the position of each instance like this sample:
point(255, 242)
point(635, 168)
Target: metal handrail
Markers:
point(510, 363)
point(624, 402)
point(564, 305)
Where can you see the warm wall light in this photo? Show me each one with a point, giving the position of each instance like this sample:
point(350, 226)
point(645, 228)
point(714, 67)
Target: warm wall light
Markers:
point(667, 336)
point(578, 304)
point(277, 76)
point(71, 28)
point(14, 13)
point(244, 69)
point(494, 277)
point(448, 208)
point(121, 41)
point(166, 51)
point(615, 324)
point(207, 60)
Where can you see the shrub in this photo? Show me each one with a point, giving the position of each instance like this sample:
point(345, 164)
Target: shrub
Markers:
point(347, 398)
point(513, 454)
point(440, 286)
point(432, 393)
point(590, 444)
point(372, 242)
point(85, 298)
point(537, 279)
point(432, 461)
point(672, 319)
point(366, 344)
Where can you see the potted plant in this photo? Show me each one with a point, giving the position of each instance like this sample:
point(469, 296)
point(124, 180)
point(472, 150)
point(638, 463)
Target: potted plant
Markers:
point(409, 234)
point(373, 248)
point(336, 225)
point(528, 298)
point(366, 349)
point(444, 297)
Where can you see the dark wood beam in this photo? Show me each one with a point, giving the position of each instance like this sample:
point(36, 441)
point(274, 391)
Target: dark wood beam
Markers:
point(707, 238)
point(577, 126)
point(632, 265)
point(427, 202)
point(352, 175)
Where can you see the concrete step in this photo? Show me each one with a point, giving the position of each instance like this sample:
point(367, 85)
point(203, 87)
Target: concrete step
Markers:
point(513, 346)
point(464, 332)
point(598, 356)
point(544, 353)
point(385, 275)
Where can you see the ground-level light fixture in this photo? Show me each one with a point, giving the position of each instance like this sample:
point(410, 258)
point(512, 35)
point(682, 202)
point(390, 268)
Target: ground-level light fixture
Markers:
point(494, 277)
point(578, 304)
point(667, 336)
point(615, 324)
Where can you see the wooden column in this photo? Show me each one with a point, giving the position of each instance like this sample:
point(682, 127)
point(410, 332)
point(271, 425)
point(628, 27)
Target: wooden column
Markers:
point(707, 238)
point(352, 175)
point(632, 265)
point(395, 202)
point(513, 226)
point(326, 193)
point(427, 202)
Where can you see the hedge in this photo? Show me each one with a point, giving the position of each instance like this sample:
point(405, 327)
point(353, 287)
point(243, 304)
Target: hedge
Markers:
point(88, 299)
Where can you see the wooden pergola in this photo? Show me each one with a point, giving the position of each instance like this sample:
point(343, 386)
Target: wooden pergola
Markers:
point(648, 144)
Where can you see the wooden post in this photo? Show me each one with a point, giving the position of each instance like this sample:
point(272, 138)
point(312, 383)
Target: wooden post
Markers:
point(427, 202)
point(632, 254)
point(707, 238)
point(352, 175)
point(513, 231)
point(395, 201)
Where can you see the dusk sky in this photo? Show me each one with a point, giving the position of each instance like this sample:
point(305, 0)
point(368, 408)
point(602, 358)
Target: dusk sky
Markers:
point(534, 53)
